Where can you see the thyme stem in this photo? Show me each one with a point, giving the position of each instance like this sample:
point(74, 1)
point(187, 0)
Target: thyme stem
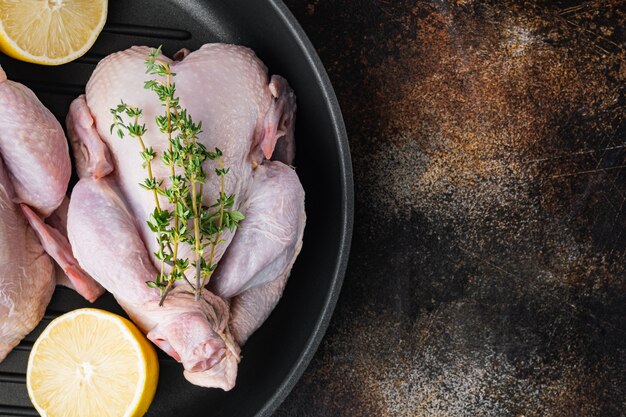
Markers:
point(148, 167)
point(196, 233)
point(216, 239)
point(168, 82)
point(166, 292)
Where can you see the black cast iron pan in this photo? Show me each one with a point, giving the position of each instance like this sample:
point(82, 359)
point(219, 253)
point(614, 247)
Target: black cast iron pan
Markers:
point(277, 354)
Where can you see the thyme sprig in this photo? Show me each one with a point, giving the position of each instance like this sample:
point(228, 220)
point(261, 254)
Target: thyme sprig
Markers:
point(189, 221)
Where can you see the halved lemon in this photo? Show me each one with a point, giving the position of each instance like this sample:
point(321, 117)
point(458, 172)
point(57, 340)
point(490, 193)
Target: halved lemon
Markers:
point(92, 363)
point(50, 32)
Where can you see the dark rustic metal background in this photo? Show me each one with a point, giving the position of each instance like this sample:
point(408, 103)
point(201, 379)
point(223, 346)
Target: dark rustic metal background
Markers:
point(487, 275)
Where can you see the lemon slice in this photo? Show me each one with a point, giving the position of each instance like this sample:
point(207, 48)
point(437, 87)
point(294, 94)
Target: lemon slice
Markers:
point(92, 363)
point(50, 32)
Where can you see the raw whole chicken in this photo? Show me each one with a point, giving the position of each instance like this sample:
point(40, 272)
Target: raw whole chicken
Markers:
point(34, 173)
point(247, 115)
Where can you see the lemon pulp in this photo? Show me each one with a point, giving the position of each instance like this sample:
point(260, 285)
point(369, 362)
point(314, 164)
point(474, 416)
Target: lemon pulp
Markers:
point(92, 363)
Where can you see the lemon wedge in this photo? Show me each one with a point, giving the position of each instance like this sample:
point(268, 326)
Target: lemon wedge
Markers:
point(50, 32)
point(93, 363)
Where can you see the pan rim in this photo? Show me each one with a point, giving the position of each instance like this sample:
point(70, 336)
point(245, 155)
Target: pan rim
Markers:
point(347, 208)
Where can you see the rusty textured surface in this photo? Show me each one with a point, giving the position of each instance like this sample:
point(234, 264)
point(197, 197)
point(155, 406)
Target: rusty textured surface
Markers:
point(488, 271)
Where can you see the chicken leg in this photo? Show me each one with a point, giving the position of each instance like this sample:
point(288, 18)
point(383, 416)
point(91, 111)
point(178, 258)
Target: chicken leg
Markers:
point(254, 269)
point(194, 333)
